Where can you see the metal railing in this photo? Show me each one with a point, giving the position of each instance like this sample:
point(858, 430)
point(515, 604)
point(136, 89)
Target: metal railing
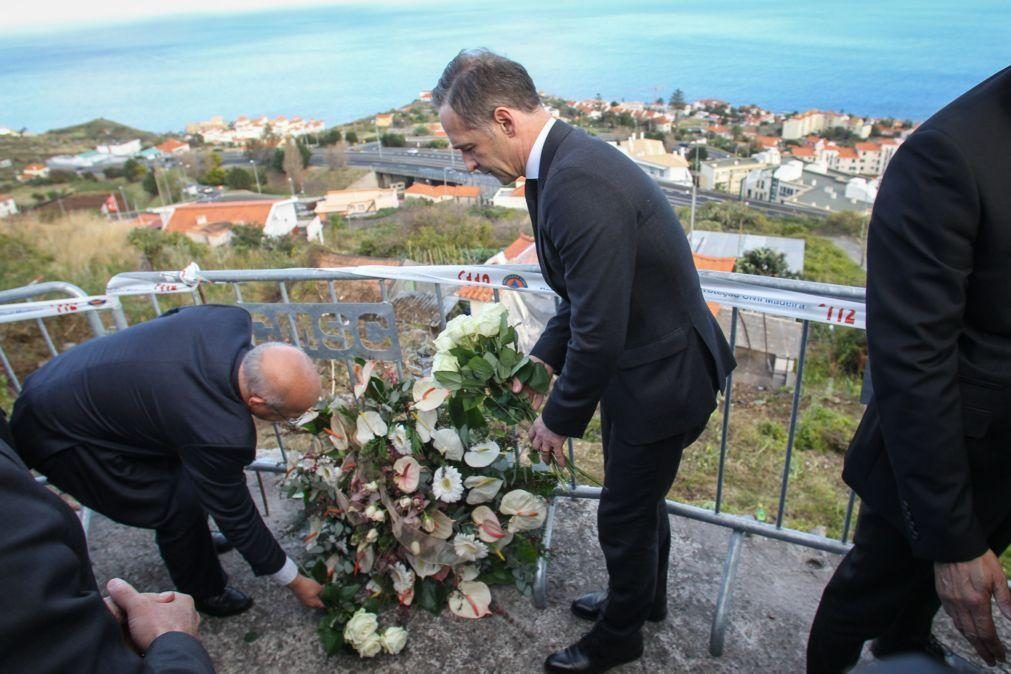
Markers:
point(284, 324)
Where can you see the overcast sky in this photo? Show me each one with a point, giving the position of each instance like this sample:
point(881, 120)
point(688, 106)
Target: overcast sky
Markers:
point(42, 14)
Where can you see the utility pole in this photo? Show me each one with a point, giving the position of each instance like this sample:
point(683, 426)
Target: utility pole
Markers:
point(691, 219)
point(256, 175)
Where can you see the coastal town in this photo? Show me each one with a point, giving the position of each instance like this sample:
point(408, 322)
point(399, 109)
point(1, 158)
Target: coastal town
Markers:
point(813, 161)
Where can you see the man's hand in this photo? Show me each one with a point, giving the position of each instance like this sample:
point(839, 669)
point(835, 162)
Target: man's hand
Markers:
point(547, 442)
point(148, 616)
point(536, 399)
point(307, 590)
point(965, 589)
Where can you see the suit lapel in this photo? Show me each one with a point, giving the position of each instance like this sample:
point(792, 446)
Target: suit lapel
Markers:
point(555, 137)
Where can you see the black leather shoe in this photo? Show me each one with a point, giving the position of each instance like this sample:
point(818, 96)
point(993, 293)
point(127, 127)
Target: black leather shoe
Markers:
point(932, 648)
point(221, 544)
point(588, 657)
point(229, 602)
point(590, 606)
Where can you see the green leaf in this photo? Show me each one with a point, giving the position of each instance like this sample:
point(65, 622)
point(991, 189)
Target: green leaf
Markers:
point(428, 596)
point(539, 379)
point(449, 380)
point(481, 368)
point(318, 572)
point(332, 638)
point(331, 594)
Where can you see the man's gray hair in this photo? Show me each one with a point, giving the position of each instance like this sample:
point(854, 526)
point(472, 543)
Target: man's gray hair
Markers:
point(477, 81)
point(256, 381)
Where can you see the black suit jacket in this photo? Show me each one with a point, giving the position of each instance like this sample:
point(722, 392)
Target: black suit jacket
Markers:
point(632, 331)
point(52, 617)
point(163, 389)
point(933, 451)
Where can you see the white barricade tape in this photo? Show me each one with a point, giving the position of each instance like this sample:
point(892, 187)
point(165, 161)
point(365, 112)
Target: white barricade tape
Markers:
point(183, 281)
point(22, 311)
point(774, 301)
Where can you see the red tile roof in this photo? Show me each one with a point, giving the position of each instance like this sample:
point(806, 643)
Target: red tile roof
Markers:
point(440, 191)
point(802, 152)
point(190, 217)
point(868, 147)
point(713, 263)
point(171, 145)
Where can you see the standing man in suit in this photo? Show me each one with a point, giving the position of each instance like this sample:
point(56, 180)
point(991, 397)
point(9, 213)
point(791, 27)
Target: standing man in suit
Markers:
point(932, 456)
point(47, 590)
point(632, 331)
point(152, 427)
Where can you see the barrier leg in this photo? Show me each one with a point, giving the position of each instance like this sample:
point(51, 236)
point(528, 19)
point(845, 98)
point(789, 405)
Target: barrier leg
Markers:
point(721, 617)
point(541, 578)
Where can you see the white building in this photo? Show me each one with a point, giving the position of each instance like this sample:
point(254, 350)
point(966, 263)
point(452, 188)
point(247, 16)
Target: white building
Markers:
point(127, 149)
point(7, 206)
point(726, 175)
point(512, 197)
point(652, 157)
point(352, 203)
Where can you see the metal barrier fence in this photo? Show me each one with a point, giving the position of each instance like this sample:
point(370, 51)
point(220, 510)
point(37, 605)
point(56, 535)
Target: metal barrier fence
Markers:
point(300, 323)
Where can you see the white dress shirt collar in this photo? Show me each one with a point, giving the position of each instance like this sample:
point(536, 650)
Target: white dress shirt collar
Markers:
point(534, 160)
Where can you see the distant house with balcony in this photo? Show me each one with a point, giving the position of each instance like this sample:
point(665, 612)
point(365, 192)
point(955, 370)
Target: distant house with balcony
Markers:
point(652, 157)
point(726, 175)
point(211, 222)
point(356, 203)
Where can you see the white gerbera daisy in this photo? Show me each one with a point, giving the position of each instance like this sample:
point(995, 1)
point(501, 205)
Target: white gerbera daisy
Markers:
point(468, 548)
point(447, 484)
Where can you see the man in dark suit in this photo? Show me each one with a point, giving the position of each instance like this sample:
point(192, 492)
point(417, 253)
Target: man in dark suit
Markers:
point(632, 331)
point(152, 426)
point(52, 618)
point(932, 456)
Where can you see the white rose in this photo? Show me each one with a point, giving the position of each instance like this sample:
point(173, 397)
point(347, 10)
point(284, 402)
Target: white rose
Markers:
point(362, 625)
point(488, 322)
point(444, 342)
point(459, 328)
point(445, 362)
point(372, 486)
point(370, 511)
point(394, 639)
point(405, 502)
point(370, 647)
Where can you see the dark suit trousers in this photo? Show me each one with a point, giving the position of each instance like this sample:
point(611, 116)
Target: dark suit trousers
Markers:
point(879, 590)
point(634, 527)
point(151, 494)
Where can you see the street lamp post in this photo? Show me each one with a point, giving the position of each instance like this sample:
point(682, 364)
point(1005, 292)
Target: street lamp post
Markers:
point(256, 174)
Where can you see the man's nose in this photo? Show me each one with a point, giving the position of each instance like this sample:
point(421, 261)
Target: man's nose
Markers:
point(470, 163)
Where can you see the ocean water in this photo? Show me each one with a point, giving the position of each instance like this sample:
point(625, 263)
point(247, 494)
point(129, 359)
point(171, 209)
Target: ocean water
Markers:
point(901, 58)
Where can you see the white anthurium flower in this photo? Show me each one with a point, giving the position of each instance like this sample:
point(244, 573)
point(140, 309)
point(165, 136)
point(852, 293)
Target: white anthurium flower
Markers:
point(328, 471)
point(528, 511)
point(315, 528)
point(369, 425)
point(338, 431)
point(363, 373)
point(372, 536)
point(471, 599)
point(447, 441)
point(406, 473)
point(468, 548)
point(488, 322)
point(467, 572)
point(488, 528)
point(398, 438)
point(425, 425)
point(482, 488)
point(441, 525)
point(447, 485)
point(428, 395)
point(482, 454)
point(373, 588)
point(403, 583)
point(445, 362)
point(394, 639)
point(421, 567)
point(365, 556)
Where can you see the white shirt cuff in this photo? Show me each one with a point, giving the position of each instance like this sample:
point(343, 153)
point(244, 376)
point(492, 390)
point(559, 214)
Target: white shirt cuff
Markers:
point(287, 573)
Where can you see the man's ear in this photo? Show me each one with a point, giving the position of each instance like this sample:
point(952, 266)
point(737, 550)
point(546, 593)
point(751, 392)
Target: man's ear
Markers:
point(503, 118)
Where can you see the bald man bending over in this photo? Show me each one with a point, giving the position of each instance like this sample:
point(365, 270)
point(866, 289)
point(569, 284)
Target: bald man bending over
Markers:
point(152, 427)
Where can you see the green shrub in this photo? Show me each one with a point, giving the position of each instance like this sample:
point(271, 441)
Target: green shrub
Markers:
point(824, 429)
